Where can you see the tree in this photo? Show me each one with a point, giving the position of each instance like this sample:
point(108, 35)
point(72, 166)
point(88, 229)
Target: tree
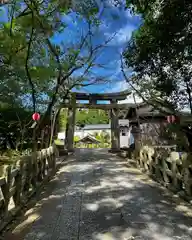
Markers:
point(34, 68)
point(91, 116)
point(159, 52)
point(83, 117)
point(13, 127)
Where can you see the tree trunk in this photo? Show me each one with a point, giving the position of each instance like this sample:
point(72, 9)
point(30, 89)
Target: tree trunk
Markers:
point(55, 118)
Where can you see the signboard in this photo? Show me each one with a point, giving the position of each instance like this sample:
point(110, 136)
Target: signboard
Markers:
point(123, 122)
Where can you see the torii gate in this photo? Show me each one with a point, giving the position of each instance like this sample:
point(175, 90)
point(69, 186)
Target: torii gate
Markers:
point(117, 111)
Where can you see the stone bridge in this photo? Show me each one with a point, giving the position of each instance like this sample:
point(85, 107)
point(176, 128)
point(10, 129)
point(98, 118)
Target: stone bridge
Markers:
point(95, 196)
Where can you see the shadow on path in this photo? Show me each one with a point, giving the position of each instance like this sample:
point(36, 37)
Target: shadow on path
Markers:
point(96, 197)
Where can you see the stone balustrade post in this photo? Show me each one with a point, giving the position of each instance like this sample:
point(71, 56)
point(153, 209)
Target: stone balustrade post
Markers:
point(136, 132)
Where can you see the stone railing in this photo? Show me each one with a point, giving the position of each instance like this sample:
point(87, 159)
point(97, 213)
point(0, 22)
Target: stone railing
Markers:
point(170, 168)
point(21, 181)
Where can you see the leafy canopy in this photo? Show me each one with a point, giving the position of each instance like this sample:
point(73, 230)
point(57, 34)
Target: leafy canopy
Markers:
point(35, 69)
point(84, 117)
point(160, 53)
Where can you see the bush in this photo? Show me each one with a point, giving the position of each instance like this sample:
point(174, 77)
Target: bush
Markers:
point(59, 142)
point(76, 138)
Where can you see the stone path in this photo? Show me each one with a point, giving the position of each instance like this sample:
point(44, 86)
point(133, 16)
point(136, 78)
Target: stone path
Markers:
point(96, 197)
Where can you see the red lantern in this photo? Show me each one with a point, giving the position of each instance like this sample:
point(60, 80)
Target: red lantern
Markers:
point(36, 116)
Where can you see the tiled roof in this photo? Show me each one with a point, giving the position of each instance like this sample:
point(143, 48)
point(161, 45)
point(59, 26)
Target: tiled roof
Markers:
point(89, 139)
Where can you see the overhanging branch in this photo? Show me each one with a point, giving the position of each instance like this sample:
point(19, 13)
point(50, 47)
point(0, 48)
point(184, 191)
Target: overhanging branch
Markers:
point(27, 67)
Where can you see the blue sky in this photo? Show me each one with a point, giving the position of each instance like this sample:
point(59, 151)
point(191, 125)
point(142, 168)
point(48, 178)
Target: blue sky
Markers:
point(113, 21)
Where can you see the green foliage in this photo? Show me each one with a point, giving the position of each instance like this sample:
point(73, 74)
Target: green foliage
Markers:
point(15, 123)
point(34, 68)
point(30, 60)
point(58, 142)
point(83, 117)
point(76, 138)
point(176, 136)
point(91, 116)
point(160, 52)
point(103, 137)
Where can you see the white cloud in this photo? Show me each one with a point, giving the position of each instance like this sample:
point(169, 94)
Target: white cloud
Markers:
point(122, 86)
point(130, 99)
point(117, 86)
point(120, 21)
point(121, 37)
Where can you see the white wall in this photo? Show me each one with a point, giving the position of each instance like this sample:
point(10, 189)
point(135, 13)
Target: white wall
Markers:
point(61, 135)
point(83, 133)
point(124, 140)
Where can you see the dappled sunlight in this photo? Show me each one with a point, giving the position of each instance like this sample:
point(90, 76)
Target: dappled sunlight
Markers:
point(123, 198)
point(74, 190)
point(31, 218)
point(102, 199)
point(116, 170)
point(116, 233)
point(92, 206)
point(121, 181)
point(184, 209)
point(105, 236)
point(107, 202)
point(26, 224)
point(78, 167)
point(110, 202)
point(104, 184)
point(51, 197)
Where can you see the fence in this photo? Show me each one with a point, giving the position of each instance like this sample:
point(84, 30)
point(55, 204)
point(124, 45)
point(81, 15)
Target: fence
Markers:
point(19, 183)
point(172, 169)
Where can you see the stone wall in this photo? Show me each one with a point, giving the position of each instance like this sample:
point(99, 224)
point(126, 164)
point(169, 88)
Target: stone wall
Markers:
point(152, 133)
point(170, 168)
point(18, 183)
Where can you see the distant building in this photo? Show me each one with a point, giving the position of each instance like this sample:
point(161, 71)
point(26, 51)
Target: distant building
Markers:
point(126, 137)
point(88, 140)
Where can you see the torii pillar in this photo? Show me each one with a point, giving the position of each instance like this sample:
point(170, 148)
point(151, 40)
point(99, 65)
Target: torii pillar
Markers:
point(70, 126)
point(115, 131)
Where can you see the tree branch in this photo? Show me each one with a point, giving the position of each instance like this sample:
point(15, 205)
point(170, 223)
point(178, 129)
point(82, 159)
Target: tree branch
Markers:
point(73, 65)
point(139, 93)
point(12, 17)
point(27, 68)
